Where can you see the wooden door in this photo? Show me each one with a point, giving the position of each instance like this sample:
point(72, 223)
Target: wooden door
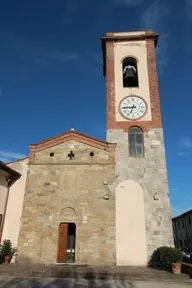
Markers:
point(62, 243)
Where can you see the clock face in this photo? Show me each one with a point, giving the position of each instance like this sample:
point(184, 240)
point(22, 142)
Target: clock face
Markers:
point(132, 107)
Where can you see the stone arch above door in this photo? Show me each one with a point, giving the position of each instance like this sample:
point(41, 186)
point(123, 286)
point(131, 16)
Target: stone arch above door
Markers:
point(131, 247)
point(68, 211)
point(68, 214)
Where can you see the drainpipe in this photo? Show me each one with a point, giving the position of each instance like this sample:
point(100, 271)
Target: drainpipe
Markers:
point(5, 207)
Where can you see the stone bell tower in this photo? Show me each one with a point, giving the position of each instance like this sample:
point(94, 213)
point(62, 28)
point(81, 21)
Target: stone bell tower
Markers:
point(134, 122)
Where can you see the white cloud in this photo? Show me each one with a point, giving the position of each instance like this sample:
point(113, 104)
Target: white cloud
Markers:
point(128, 2)
point(183, 154)
point(8, 156)
point(55, 56)
point(189, 3)
point(185, 142)
point(184, 147)
point(154, 18)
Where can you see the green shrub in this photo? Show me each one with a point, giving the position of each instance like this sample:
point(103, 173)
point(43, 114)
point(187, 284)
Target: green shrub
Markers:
point(166, 255)
point(6, 249)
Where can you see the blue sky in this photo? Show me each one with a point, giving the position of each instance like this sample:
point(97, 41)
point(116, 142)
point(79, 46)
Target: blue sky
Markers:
point(51, 71)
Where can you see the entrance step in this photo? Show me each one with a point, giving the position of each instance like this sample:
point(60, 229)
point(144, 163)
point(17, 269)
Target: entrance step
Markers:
point(84, 271)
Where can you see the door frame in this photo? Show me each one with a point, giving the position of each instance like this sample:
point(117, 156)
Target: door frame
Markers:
point(62, 242)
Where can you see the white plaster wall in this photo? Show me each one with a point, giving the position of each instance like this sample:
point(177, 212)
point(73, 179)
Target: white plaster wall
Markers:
point(131, 247)
point(138, 50)
point(15, 203)
point(3, 191)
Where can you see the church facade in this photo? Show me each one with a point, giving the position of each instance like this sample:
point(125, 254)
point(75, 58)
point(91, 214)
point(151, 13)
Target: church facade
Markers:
point(88, 201)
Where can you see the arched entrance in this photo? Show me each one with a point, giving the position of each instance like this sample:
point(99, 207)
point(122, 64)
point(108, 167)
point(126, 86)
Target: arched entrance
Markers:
point(66, 243)
point(67, 236)
point(131, 248)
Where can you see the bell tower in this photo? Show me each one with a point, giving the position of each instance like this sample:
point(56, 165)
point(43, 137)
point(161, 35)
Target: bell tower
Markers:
point(130, 69)
point(133, 122)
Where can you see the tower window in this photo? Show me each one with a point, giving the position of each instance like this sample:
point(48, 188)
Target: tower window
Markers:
point(136, 147)
point(130, 72)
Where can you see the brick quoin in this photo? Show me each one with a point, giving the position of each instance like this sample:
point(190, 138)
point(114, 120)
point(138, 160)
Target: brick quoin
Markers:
point(153, 85)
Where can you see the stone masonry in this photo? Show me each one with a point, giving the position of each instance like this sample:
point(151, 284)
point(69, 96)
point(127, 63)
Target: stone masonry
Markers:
point(62, 190)
point(150, 172)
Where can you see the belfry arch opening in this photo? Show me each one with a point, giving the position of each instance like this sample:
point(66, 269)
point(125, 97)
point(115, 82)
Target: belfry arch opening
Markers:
point(130, 73)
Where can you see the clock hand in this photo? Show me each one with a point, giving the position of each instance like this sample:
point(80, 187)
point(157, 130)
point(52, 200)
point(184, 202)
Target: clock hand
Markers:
point(132, 108)
point(127, 107)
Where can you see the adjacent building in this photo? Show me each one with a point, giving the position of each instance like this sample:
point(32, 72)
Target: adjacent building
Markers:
point(182, 230)
point(87, 201)
point(8, 177)
point(14, 204)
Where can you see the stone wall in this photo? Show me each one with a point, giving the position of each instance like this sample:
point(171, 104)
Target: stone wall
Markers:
point(62, 190)
point(150, 172)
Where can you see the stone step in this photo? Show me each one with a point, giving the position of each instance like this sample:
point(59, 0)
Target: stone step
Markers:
point(89, 272)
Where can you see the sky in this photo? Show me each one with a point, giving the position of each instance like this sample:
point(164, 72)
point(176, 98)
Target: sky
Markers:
point(51, 74)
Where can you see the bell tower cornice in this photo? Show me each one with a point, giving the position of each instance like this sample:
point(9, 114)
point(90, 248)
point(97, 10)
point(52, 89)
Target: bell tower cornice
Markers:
point(128, 36)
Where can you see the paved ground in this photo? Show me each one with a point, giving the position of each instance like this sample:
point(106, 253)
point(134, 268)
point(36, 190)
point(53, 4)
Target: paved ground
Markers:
point(53, 276)
point(80, 282)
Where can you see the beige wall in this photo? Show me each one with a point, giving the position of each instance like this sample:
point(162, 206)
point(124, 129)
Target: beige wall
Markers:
point(138, 50)
point(131, 247)
point(15, 203)
point(3, 191)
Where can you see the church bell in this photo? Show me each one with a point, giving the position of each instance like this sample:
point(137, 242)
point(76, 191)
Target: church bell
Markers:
point(130, 78)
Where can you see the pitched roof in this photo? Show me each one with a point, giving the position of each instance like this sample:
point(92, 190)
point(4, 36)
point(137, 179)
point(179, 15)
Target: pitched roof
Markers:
point(183, 214)
point(14, 175)
point(17, 160)
point(67, 136)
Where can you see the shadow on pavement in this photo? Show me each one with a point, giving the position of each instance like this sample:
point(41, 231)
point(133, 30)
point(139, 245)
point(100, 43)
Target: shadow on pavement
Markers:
point(89, 279)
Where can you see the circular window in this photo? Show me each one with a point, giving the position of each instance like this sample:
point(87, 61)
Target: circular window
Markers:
point(51, 154)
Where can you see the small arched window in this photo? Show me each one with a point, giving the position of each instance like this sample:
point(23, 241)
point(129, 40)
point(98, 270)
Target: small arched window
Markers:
point(136, 147)
point(130, 72)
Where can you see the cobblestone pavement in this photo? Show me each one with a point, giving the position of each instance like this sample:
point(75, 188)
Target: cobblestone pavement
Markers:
point(81, 282)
